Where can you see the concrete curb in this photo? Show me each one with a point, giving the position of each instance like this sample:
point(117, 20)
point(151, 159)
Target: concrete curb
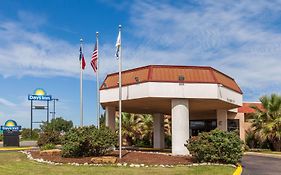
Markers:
point(238, 170)
point(15, 149)
point(263, 154)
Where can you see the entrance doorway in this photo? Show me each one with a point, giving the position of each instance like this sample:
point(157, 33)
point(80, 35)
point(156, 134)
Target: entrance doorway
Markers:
point(198, 126)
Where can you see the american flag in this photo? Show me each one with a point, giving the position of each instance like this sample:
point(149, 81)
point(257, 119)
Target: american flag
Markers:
point(95, 58)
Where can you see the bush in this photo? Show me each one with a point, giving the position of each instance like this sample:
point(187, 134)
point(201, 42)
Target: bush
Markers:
point(25, 134)
point(216, 146)
point(88, 141)
point(57, 124)
point(48, 146)
point(1, 137)
point(49, 137)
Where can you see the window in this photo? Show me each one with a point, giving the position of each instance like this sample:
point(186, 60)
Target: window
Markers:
point(233, 125)
point(197, 126)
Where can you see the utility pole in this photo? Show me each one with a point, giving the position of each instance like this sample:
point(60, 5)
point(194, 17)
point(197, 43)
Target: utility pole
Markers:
point(54, 107)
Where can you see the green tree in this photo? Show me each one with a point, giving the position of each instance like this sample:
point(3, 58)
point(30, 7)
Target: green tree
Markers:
point(25, 133)
point(57, 124)
point(267, 121)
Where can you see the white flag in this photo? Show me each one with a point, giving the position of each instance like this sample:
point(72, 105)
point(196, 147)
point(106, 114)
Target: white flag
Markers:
point(118, 44)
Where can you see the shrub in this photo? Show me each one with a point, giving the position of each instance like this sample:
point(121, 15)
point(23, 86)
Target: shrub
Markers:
point(49, 137)
point(25, 134)
point(216, 146)
point(48, 146)
point(88, 141)
point(1, 137)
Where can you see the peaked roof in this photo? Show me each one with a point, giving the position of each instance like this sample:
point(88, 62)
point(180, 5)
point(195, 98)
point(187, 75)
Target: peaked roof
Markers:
point(174, 74)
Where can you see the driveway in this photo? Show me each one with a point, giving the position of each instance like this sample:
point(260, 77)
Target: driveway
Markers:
point(261, 165)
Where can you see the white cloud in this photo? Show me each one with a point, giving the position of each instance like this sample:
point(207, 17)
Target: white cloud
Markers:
point(6, 102)
point(227, 35)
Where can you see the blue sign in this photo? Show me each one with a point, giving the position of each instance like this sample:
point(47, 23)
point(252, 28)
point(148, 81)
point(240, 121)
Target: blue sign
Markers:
point(11, 125)
point(40, 95)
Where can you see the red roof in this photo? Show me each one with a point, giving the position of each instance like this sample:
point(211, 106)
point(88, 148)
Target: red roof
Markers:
point(246, 108)
point(167, 73)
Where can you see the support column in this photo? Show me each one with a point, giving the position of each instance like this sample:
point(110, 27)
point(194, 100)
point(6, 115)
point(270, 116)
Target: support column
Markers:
point(110, 117)
point(222, 119)
point(180, 126)
point(158, 131)
point(241, 126)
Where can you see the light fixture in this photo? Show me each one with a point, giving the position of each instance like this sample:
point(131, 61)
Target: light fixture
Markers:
point(137, 79)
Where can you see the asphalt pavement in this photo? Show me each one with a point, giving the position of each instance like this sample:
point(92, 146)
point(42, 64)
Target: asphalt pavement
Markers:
point(261, 165)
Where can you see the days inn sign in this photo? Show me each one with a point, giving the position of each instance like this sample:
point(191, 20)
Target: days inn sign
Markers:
point(40, 95)
point(10, 125)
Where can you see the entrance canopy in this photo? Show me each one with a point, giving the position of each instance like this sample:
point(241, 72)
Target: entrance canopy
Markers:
point(150, 89)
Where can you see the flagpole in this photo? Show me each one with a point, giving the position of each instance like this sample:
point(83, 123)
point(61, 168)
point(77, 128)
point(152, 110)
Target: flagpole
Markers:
point(98, 91)
point(120, 95)
point(81, 86)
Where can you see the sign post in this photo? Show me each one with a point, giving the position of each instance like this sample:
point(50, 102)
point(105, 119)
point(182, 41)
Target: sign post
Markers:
point(38, 95)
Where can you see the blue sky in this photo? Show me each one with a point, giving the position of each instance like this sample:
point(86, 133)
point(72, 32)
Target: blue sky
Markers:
point(40, 46)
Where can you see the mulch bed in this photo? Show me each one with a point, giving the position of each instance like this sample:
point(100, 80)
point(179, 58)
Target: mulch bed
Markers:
point(128, 157)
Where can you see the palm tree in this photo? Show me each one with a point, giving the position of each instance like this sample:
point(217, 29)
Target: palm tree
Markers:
point(146, 126)
point(168, 125)
point(267, 121)
point(130, 127)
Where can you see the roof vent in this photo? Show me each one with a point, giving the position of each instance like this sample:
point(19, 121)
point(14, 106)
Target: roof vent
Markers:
point(104, 85)
point(137, 79)
point(181, 78)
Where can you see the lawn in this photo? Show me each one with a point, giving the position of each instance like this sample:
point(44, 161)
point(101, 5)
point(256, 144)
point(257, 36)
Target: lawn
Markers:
point(17, 163)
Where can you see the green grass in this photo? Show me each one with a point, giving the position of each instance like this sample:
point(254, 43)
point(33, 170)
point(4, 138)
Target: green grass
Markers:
point(17, 163)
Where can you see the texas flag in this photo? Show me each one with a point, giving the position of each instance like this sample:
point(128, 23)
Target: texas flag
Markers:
point(81, 58)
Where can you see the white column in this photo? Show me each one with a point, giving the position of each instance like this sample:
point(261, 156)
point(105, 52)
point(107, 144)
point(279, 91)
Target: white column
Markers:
point(158, 131)
point(180, 126)
point(110, 117)
point(222, 119)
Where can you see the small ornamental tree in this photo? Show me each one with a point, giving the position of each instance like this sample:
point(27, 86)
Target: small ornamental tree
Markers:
point(49, 137)
point(57, 124)
point(88, 141)
point(53, 131)
point(216, 146)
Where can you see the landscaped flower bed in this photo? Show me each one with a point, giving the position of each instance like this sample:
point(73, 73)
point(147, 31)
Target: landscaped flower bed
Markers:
point(129, 157)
